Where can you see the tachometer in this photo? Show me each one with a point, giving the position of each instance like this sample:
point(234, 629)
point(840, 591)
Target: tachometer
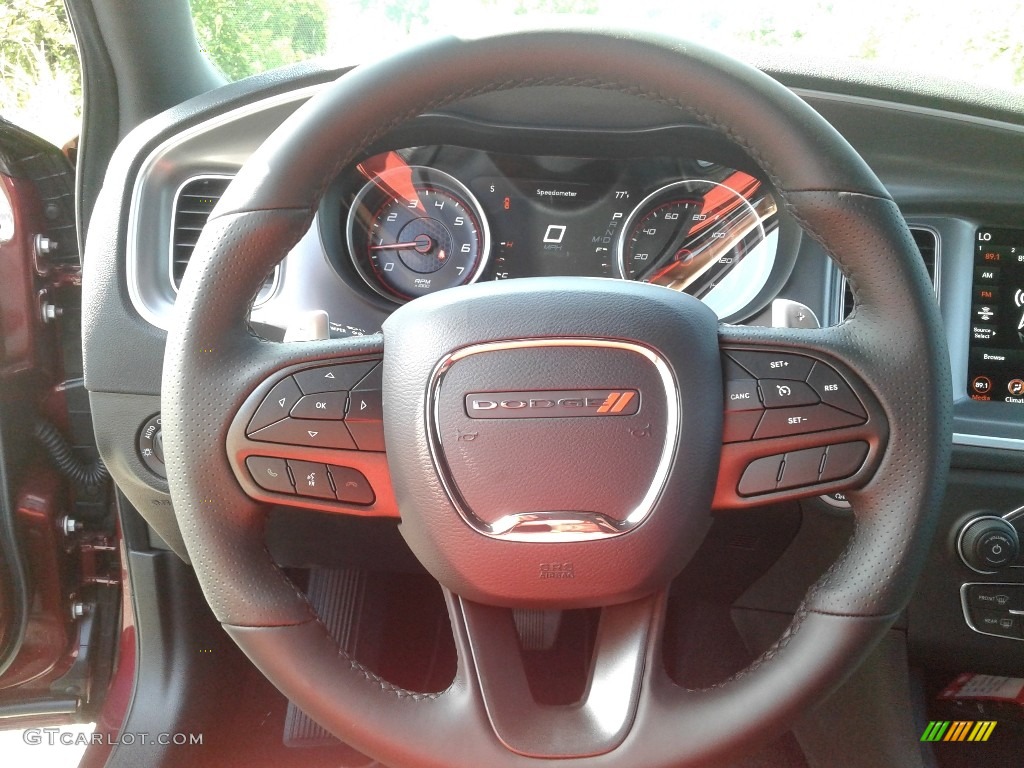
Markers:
point(690, 234)
point(413, 230)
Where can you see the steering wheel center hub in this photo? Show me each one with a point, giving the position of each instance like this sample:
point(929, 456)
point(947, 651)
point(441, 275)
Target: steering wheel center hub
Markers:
point(553, 413)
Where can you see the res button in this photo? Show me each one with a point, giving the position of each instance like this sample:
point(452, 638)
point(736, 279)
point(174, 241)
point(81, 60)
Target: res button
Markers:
point(833, 390)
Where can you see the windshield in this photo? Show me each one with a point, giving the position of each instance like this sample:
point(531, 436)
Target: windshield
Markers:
point(948, 40)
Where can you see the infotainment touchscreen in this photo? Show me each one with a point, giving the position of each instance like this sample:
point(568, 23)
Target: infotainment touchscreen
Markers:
point(995, 369)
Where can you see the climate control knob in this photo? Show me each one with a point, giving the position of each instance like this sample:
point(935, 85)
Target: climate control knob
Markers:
point(988, 543)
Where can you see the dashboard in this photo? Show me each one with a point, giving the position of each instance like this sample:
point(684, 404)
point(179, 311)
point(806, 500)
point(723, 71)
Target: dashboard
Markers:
point(553, 181)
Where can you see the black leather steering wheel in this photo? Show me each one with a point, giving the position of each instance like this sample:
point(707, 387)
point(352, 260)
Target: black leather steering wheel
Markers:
point(570, 335)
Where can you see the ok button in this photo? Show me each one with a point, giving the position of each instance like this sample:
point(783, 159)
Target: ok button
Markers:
point(323, 405)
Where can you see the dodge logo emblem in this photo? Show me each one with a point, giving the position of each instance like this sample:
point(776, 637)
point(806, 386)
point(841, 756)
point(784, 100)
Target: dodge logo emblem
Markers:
point(552, 404)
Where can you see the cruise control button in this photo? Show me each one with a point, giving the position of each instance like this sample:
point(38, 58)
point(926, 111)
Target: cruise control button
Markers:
point(843, 460)
point(311, 479)
point(739, 426)
point(781, 422)
point(760, 476)
point(833, 390)
point(773, 365)
point(332, 378)
point(309, 432)
point(276, 405)
point(741, 395)
point(270, 474)
point(351, 486)
point(325, 405)
point(997, 622)
point(784, 393)
point(801, 468)
point(996, 597)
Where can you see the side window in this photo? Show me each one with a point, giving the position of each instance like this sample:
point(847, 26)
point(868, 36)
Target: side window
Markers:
point(40, 78)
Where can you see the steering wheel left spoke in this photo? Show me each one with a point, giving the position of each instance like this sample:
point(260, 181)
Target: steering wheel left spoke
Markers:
point(311, 434)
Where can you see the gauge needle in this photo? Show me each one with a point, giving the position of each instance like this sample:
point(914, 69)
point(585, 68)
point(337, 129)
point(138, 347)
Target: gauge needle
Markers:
point(421, 243)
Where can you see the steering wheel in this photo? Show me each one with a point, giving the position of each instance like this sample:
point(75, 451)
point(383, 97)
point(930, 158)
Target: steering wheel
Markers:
point(609, 397)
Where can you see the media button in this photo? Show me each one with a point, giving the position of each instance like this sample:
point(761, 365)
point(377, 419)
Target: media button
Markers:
point(981, 385)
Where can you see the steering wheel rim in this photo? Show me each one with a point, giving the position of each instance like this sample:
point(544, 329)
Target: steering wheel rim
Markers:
point(213, 363)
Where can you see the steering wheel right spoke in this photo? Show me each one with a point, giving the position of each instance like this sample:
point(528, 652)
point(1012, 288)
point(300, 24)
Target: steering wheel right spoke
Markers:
point(312, 434)
point(798, 421)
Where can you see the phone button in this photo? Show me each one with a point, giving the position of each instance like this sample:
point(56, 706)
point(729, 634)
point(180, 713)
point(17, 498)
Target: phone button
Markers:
point(270, 474)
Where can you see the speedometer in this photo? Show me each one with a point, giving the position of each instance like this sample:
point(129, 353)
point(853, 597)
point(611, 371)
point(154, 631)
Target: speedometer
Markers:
point(690, 234)
point(413, 230)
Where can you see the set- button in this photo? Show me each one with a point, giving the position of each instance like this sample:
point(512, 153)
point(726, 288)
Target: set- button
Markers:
point(770, 394)
point(335, 406)
point(310, 479)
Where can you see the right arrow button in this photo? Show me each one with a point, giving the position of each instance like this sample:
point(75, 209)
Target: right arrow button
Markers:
point(365, 416)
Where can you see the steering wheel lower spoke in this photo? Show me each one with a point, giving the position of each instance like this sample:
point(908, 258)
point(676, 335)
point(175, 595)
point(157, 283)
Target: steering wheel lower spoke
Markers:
point(798, 419)
point(603, 717)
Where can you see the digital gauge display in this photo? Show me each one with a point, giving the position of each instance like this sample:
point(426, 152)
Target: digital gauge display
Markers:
point(995, 369)
point(543, 228)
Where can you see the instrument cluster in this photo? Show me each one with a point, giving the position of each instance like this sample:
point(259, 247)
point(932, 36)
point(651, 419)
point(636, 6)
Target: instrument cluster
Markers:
point(424, 219)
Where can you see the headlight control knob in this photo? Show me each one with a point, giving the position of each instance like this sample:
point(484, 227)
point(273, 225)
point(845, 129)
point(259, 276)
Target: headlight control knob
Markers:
point(151, 446)
point(988, 543)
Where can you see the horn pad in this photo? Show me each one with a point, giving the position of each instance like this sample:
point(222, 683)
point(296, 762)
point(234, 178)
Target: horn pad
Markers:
point(565, 457)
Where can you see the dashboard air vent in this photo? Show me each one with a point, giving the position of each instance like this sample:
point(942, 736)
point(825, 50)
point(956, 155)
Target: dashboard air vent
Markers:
point(196, 199)
point(927, 245)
